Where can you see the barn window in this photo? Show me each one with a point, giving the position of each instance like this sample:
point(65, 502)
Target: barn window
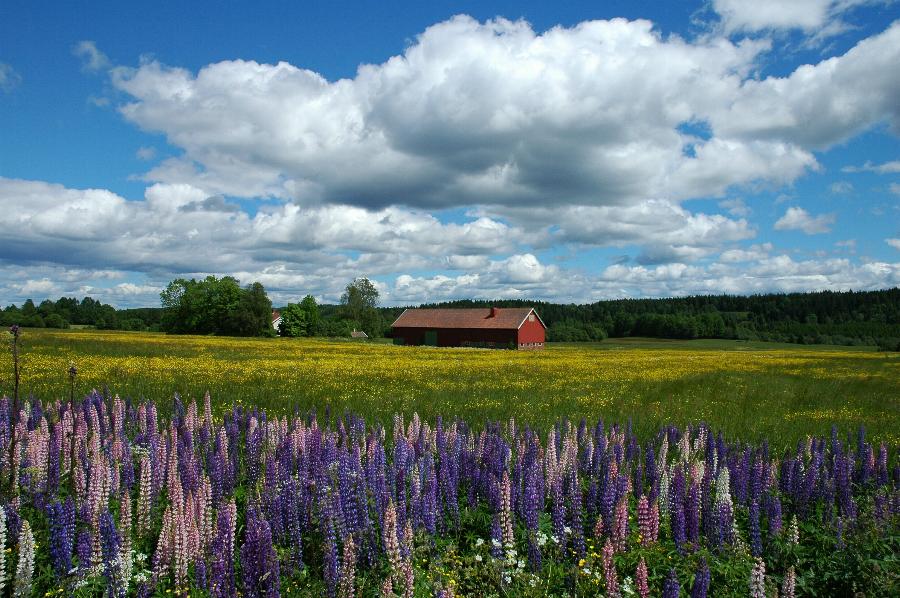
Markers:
point(531, 317)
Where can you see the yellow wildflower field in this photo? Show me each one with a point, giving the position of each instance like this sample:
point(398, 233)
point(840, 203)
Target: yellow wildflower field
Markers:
point(744, 389)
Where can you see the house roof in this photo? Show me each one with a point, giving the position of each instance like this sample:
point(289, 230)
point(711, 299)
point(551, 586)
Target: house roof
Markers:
point(504, 318)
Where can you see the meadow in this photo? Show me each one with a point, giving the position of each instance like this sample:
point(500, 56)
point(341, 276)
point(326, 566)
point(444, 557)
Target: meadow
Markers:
point(347, 469)
point(749, 391)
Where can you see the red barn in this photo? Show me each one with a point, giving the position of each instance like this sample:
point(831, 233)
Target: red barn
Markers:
point(502, 328)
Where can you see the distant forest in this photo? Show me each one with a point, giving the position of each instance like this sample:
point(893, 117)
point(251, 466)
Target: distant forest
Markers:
point(841, 318)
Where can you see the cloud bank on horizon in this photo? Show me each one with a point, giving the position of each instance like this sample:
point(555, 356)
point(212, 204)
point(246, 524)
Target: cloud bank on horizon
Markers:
point(488, 159)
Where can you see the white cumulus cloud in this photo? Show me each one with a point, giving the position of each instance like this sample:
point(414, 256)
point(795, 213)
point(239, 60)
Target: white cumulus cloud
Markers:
point(800, 219)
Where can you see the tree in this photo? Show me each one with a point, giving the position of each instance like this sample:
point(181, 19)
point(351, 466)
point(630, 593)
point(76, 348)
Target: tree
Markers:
point(313, 318)
point(359, 303)
point(251, 315)
point(294, 321)
point(216, 306)
point(301, 319)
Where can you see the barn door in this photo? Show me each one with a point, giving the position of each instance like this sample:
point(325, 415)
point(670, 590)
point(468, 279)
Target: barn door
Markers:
point(431, 338)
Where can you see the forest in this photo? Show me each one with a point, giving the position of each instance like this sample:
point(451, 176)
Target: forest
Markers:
point(827, 317)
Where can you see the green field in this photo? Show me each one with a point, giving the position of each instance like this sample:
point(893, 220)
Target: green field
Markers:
point(748, 390)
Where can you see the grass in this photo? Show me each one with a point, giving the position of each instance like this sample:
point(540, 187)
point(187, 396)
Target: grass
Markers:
point(748, 390)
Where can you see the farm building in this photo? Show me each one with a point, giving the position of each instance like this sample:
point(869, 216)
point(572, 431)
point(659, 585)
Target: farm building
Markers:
point(276, 319)
point(358, 334)
point(508, 327)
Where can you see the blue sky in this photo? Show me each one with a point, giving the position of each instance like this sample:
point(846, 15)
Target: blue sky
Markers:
point(568, 153)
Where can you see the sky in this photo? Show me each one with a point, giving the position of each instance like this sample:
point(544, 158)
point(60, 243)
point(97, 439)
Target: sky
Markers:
point(568, 152)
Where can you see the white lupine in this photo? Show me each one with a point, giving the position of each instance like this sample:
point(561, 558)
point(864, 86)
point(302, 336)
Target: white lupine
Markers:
point(25, 569)
point(789, 583)
point(758, 579)
point(664, 488)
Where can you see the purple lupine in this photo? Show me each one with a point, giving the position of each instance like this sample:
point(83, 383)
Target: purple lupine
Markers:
point(61, 516)
point(559, 512)
point(112, 569)
point(259, 561)
point(692, 514)
point(671, 587)
point(701, 580)
point(678, 533)
point(83, 549)
point(774, 515)
point(755, 533)
point(222, 567)
point(331, 566)
point(575, 514)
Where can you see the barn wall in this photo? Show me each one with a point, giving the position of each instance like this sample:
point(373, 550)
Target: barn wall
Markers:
point(455, 337)
point(532, 332)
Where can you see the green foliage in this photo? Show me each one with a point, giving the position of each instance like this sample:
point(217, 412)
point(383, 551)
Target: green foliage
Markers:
point(840, 318)
point(301, 319)
point(216, 306)
point(359, 303)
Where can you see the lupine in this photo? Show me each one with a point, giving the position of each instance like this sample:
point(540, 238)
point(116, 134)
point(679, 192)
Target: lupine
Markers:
point(758, 579)
point(701, 580)
point(330, 565)
point(259, 561)
point(222, 574)
point(620, 524)
point(389, 538)
point(793, 532)
point(506, 527)
point(643, 517)
point(25, 567)
point(641, 582)
point(61, 516)
point(671, 587)
point(788, 583)
point(109, 539)
point(125, 531)
point(2, 549)
point(755, 533)
point(346, 588)
point(609, 569)
point(144, 492)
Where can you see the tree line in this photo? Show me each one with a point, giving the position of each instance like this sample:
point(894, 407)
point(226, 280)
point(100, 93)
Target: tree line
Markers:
point(829, 317)
point(222, 306)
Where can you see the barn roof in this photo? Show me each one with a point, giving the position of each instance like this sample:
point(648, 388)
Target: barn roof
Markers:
point(505, 318)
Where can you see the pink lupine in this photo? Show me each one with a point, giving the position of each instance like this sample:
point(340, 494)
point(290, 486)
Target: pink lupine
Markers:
point(180, 544)
point(620, 524)
point(654, 521)
point(204, 508)
point(2, 548)
point(641, 581)
point(347, 584)
point(162, 558)
point(598, 527)
point(143, 501)
point(207, 410)
point(643, 516)
point(389, 537)
point(609, 569)
point(125, 531)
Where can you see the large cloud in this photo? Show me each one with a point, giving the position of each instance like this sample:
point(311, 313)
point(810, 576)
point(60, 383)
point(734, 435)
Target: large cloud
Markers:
point(606, 112)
